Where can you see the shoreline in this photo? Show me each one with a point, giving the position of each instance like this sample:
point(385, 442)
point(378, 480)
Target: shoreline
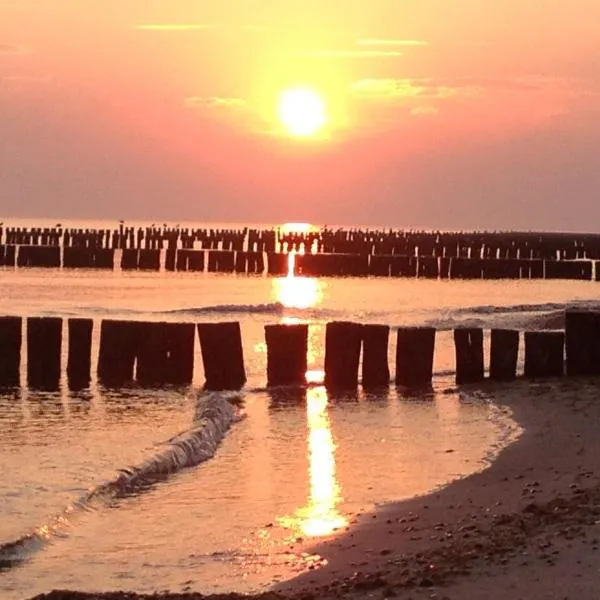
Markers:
point(496, 534)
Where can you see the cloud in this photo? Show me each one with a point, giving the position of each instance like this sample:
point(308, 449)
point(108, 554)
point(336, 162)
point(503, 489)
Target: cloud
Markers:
point(350, 53)
point(424, 111)
point(14, 50)
point(390, 42)
point(214, 102)
point(26, 78)
point(388, 88)
point(165, 27)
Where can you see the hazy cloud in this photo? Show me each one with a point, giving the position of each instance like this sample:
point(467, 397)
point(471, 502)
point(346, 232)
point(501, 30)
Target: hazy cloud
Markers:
point(17, 78)
point(350, 53)
point(214, 102)
point(14, 50)
point(389, 42)
point(412, 88)
point(176, 26)
point(424, 111)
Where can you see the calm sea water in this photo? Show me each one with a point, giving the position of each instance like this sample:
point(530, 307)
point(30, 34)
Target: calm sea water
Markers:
point(297, 467)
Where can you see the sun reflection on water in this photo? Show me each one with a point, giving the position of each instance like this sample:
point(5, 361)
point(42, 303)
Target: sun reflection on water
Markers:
point(297, 292)
point(320, 516)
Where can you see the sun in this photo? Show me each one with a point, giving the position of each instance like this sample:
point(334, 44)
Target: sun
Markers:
point(302, 112)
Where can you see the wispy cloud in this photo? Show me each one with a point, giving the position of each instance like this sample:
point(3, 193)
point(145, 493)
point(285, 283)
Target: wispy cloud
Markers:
point(14, 50)
point(17, 78)
point(214, 102)
point(165, 27)
point(426, 111)
point(389, 42)
point(412, 88)
point(350, 53)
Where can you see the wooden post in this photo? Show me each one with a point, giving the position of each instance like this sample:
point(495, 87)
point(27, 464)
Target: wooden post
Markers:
point(222, 355)
point(504, 351)
point(342, 354)
point(44, 341)
point(119, 342)
point(414, 356)
point(582, 332)
point(287, 349)
point(468, 344)
point(79, 361)
point(375, 366)
point(10, 351)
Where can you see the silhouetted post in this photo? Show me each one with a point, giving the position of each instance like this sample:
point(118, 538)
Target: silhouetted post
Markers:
point(119, 341)
point(469, 355)
point(287, 354)
point(544, 353)
point(414, 356)
point(44, 341)
point(10, 351)
point(170, 259)
point(222, 355)
point(152, 354)
point(504, 351)
point(582, 332)
point(342, 354)
point(79, 361)
point(180, 363)
point(129, 258)
point(375, 366)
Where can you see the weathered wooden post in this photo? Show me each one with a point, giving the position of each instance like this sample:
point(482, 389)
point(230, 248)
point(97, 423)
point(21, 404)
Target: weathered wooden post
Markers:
point(582, 333)
point(287, 354)
point(222, 355)
point(119, 342)
point(544, 353)
point(182, 337)
point(414, 356)
point(375, 366)
point(10, 351)
point(129, 258)
point(152, 354)
point(342, 354)
point(468, 343)
point(79, 360)
point(504, 351)
point(149, 260)
point(44, 341)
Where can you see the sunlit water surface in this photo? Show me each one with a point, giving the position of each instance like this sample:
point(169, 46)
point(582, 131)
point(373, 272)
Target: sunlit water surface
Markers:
point(297, 467)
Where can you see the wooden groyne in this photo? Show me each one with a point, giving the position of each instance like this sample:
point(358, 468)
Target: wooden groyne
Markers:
point(153, 354)
point(333, 253)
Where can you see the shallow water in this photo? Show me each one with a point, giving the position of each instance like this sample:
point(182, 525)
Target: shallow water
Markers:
point(297, 466)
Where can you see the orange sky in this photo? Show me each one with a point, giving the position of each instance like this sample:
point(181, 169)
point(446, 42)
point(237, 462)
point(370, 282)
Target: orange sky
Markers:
point(441, 114)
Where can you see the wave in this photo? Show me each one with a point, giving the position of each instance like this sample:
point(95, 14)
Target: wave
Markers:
point(275, 308)
point(216, 415)
point(526, 308)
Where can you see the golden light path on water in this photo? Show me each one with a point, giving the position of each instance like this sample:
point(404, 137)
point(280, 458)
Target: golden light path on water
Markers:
point(320, 516)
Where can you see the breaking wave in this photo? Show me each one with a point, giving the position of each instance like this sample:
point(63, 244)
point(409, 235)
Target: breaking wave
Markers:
point(217, 414)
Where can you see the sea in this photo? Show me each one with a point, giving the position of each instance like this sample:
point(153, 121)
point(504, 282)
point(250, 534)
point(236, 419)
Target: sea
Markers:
point(258, 477)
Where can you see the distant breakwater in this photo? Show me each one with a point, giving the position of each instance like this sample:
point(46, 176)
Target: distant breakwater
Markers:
point(325, 252)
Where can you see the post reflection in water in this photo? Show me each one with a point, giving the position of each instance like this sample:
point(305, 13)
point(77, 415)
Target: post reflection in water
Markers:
point(320, 516)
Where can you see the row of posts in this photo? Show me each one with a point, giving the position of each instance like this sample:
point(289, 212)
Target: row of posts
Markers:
point(513, 245)
point(312, 265)
point(155, 354)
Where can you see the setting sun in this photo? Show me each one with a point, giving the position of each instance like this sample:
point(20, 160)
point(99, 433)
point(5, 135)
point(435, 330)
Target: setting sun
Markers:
point(302, 112)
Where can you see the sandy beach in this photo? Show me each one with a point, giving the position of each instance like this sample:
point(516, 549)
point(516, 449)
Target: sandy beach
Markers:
point(527, 527)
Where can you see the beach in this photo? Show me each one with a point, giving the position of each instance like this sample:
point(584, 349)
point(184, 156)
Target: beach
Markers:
point(526, 527)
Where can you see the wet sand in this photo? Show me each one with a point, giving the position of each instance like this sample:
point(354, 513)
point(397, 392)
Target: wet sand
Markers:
point(527, 527)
